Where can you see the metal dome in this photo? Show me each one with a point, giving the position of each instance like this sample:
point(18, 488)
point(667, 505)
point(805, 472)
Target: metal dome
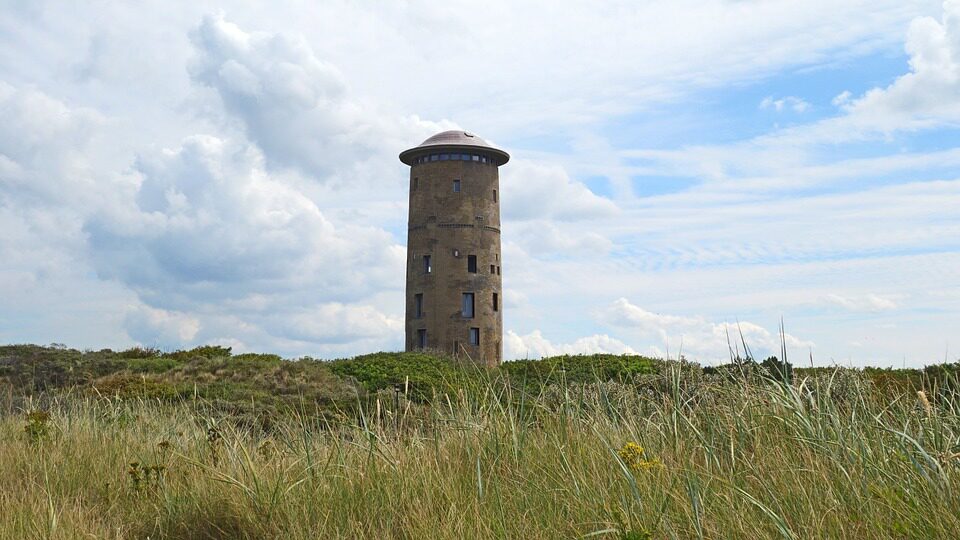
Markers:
point(453, 139)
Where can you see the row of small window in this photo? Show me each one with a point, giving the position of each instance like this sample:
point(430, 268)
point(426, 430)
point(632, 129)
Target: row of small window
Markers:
point(467, 305)
point(456, 187)
point(422, 338)
point(471, 264)
point(478, 158)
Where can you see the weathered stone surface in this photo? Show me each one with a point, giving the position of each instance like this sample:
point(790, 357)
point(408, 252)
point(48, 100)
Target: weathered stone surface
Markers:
point(449, 226)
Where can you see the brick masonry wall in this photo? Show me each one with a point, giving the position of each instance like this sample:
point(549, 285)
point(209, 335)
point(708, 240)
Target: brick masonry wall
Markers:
point(449, 226)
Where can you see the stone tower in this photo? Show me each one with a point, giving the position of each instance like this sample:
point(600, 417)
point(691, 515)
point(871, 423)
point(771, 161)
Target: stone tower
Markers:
point(454, 286)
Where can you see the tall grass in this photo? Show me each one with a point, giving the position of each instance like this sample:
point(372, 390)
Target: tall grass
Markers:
point(823, 457)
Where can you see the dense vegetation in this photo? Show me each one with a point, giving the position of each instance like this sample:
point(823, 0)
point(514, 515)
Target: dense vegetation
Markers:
point(206, 444)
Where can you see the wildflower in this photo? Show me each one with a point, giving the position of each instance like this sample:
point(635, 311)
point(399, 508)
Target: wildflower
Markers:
point(634, 457)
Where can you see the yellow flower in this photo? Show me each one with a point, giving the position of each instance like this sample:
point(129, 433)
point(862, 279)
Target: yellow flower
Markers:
point(633, 457)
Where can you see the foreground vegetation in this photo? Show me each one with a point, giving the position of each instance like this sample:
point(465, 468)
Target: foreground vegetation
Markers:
point(203, 444)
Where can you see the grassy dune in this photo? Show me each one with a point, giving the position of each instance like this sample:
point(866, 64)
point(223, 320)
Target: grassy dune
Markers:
point(493, 454)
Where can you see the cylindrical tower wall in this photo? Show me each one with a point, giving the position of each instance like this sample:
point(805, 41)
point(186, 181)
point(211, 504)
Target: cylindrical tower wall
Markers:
point(454, 220)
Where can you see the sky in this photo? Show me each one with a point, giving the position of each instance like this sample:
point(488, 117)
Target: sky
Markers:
point(180, 173)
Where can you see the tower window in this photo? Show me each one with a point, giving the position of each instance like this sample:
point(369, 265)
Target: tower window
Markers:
point(475, 158)
point(444, 157)
point(498, 270)
point(475, 336)
point(496, 301)
point(456, 186)
point(466, 307)
point(472, 264)
point(426, 264)
point(416, 183)
point(422, 338)
point(418, 304)
point(493, 269)
point(494, 195)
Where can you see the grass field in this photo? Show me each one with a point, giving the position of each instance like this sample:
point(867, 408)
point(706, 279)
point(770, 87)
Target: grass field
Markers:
point(547, 449)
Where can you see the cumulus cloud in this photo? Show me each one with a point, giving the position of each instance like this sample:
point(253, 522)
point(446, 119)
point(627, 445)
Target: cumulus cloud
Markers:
point(793, 103)
point(546, 238)
point(295, 106)
point(339, 323)
point(544, 191)
point(160, 328)
point(209, 223)
point(699, 338)
point(929, 94)
point(535, 345)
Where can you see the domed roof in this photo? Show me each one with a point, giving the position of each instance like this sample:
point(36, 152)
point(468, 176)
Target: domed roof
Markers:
point(454, 139)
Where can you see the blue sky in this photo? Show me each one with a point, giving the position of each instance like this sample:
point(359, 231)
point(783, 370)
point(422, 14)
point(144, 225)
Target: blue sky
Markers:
point(180, 173)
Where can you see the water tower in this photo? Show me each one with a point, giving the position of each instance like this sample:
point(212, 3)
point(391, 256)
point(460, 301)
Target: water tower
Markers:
point(454, 283)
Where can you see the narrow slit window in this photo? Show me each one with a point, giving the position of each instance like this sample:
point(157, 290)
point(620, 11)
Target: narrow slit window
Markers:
point(416, 183)
point(456, 186)
point(466, 307)
point(494, 195)
point(418, 304)
point(426, 264)
point(472, 264)
point(496, 301)
point(422, 338)
point(475, 336)
point(498, 270)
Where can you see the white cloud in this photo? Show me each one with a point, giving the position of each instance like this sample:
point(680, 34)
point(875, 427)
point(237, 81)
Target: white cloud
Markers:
point(867, 302)
point(699, 338)
point(535, 345)
point(841, 99)
point(339, 323)
point(793, 103)
point(296, 107)
point(543, 191)
point(929, 94)
point(161, 328)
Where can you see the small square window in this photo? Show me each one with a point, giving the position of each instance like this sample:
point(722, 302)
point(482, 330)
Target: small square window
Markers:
point(456, 186)
point(434, 157)
point(466, 307)
point(475, 158)
point(475, 336)
point(472, 264)
point(426, 264)
point(444, 157)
